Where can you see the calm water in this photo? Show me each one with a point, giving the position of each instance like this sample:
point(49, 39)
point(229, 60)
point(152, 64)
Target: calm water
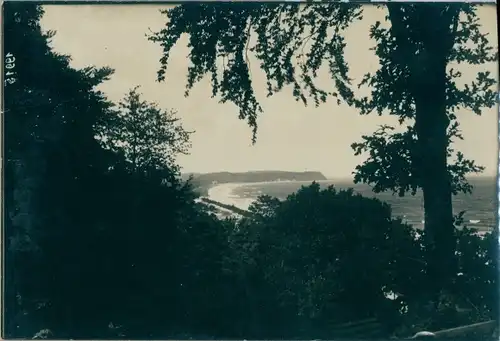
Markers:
point(480, 205)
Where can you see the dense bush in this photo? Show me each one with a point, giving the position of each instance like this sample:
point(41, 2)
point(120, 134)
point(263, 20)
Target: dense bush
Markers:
point(473, 296)
point(325, 257)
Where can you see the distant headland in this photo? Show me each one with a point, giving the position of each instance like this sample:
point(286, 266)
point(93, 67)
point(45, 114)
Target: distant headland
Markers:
point(204, 181)
point(256, 176)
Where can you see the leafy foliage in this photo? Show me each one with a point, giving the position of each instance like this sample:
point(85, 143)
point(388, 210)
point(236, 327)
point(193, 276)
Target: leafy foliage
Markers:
point(391, 166)
point(147, 136)
point(393, 162)
point(469, 298)
point(221, 39)
point(328, 256)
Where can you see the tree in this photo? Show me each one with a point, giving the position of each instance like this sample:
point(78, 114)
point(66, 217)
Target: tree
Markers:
point(147, 136)
point(52, 166)
point(324, 257)
point(81, 259)
point(416, 82)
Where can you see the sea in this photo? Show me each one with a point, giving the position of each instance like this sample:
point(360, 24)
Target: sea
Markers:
point(480, 206)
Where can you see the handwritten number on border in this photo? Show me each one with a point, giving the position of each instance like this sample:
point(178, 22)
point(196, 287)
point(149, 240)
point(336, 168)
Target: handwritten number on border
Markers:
point(10, 66)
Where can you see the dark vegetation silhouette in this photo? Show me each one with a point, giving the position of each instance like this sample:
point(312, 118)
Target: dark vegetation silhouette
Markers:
point(103, 240)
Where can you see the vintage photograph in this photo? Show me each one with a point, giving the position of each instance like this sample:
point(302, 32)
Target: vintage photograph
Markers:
point(250, 170)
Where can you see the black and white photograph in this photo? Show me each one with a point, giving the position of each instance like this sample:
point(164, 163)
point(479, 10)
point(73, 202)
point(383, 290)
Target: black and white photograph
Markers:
point(249, 170)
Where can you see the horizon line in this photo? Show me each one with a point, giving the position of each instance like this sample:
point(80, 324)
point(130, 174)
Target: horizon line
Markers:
point(328, 176)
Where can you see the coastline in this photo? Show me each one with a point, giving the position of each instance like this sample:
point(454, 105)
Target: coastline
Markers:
point(223, 193)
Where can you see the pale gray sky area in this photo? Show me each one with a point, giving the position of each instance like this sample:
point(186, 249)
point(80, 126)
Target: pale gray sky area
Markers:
point(290, 137)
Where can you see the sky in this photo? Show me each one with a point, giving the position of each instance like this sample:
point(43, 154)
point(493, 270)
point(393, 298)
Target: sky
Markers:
point(290, 137)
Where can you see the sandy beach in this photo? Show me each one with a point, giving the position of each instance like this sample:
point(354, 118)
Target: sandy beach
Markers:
point(223, 193)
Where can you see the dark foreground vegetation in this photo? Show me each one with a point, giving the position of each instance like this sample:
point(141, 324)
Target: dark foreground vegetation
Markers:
point(102, 239)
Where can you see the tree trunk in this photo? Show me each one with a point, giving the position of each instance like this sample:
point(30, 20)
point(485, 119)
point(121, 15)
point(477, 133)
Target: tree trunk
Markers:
point(425, 49)
point(431, 124)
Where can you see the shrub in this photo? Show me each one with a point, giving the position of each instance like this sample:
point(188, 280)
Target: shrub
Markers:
point(329, 256)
